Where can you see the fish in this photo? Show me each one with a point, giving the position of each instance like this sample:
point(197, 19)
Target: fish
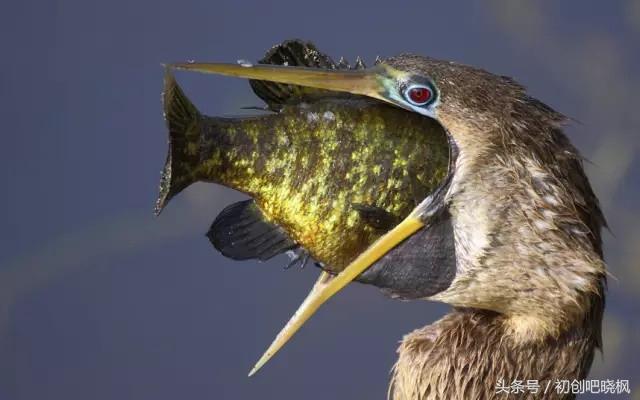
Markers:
point(326, 173)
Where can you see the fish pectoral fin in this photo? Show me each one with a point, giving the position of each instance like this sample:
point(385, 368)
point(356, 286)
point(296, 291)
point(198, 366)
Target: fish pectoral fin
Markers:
point(376, 217)
point(242, 232)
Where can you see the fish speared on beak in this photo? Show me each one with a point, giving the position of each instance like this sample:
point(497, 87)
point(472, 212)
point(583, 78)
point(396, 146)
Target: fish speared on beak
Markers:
point(367, 82)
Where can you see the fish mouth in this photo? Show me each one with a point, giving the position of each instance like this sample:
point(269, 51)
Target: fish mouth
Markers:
point(373, 83)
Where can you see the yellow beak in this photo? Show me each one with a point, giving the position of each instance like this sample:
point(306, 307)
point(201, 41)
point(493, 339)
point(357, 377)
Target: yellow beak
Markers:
point(327, 285)
point(368, 82)
point(365, 82)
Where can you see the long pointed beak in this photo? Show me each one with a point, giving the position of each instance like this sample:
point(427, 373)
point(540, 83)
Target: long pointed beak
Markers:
point(328, 285)
point(366, 82)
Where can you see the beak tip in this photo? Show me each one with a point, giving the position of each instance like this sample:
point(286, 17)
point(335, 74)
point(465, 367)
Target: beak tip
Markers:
point(261, 362)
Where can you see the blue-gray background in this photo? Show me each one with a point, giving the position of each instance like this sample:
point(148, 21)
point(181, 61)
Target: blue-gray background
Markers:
point(100, 300)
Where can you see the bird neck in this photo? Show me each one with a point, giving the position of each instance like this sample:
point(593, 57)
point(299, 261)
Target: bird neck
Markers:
point(528, 247)
point(470, 352)
point(527, 227)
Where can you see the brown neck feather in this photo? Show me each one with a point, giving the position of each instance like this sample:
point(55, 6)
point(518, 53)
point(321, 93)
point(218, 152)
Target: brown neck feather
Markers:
point(466, 353)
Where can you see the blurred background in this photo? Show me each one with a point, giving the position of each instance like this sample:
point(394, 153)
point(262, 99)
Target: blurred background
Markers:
point(101, 300)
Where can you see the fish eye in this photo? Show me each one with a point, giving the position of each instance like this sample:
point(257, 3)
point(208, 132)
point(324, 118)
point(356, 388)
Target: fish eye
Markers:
point(418, 95)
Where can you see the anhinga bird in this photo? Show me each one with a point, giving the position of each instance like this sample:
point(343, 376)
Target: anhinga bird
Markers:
point(511, 238)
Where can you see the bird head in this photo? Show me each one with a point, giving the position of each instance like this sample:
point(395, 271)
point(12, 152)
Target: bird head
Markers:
point(514, 227)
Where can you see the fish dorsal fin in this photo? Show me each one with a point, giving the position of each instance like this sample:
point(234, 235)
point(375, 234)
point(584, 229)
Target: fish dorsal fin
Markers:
point(242, 232)
point(292, 53)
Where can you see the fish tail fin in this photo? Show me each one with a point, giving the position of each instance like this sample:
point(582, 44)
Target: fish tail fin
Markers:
point(184, 122)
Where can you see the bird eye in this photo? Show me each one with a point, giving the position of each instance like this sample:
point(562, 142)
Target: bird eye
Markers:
point(418, 95)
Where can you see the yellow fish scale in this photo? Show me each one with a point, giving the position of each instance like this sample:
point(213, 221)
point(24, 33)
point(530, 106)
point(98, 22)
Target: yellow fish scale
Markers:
point(309, 164)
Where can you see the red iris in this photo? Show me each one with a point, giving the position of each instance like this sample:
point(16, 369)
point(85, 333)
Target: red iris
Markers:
point(419, 95)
